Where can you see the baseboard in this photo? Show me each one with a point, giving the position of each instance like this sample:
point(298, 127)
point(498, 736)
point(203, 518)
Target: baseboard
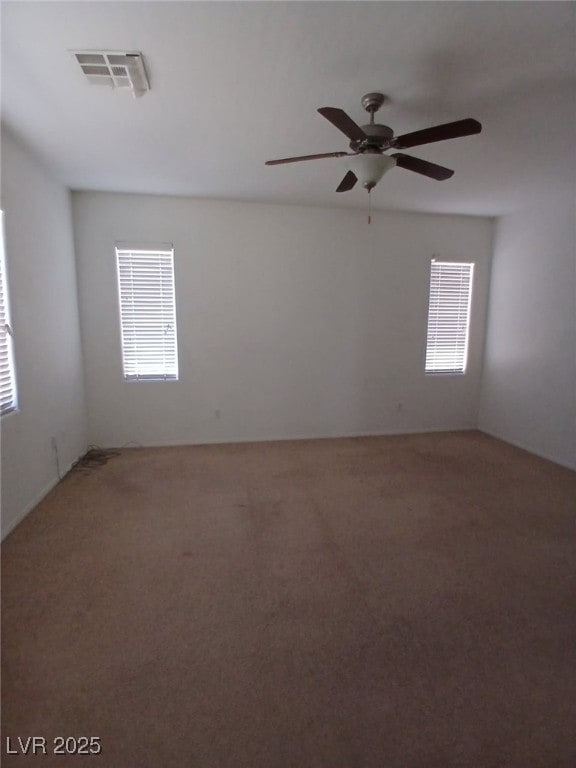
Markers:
point(528, 449)
point(36, 500)
point(286, 438)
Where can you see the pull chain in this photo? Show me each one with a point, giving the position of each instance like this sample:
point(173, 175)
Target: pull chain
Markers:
point(369, 207)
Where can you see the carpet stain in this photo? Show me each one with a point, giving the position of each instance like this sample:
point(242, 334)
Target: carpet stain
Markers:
point(357, 603)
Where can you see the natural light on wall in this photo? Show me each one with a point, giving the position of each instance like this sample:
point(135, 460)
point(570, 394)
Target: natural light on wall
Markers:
point(449, 316)
point(147, 313)
point(7, 379)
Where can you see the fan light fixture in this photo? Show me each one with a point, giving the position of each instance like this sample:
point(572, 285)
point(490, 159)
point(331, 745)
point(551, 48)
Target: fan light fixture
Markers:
point(369, 167)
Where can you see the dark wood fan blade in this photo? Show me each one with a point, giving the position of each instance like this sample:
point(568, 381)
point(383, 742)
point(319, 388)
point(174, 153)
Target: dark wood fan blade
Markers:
point(454, 130)
point(340, 119)
point(432, 170)
point(347, 182)
point(305, 157)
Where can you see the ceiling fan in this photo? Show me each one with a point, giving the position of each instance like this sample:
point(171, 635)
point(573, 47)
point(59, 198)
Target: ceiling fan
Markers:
point(369, 142)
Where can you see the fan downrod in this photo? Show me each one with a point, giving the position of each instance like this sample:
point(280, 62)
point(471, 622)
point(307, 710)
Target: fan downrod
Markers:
point(378, 137)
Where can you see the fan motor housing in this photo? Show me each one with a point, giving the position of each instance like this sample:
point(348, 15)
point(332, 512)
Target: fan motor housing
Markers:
point(379, 137)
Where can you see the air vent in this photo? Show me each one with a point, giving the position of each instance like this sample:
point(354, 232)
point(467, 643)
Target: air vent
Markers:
point(114, 69)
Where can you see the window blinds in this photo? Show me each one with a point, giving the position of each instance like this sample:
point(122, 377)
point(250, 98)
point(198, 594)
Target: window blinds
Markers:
point(147, 314)
point(7, 382)
point(448, 316)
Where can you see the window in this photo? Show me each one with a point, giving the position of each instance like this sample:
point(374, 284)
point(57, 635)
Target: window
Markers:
point(7, 379)
point(448, 316)
point(147, 313)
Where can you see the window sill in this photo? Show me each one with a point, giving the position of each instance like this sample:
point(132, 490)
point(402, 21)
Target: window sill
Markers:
point(144, 379)
point(445, 373)
point(11, 412)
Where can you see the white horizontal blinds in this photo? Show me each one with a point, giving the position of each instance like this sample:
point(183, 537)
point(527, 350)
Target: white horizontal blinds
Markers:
point(7, 382)
point(147, 314)
point(448, 316)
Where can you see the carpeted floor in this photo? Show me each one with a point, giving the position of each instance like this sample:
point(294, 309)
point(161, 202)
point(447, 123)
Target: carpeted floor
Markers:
point(395, 602)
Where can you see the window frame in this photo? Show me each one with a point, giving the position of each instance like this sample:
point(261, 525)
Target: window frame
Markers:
point(455, 263)
point(122, 247)
point(8, 325)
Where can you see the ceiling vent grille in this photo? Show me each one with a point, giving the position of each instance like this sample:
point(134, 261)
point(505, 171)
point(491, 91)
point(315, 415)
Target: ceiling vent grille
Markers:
point(115, 69)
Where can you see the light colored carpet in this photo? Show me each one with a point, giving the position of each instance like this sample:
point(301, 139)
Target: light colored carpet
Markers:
point(395, 602)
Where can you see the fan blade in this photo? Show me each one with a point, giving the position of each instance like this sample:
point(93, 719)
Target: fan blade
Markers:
point(305, 157)
point(432, 170)
point(340, 119)
point(347, 182)
point(438, 133)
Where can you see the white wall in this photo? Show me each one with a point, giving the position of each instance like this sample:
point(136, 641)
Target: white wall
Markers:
point(529, 387)
point(292, 321)
point(44, 306)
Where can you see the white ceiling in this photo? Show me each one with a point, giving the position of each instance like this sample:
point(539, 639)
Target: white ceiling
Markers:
point(238, 83)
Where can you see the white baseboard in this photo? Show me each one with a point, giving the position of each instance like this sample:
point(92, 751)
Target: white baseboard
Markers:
point(36, 500)
point(286, 438)
point(528, 449)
